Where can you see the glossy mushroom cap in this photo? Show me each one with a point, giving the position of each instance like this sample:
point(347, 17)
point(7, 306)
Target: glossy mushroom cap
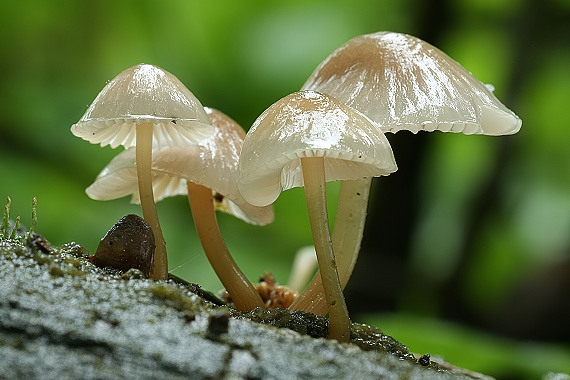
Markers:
point(142, 94)
point(212, 164)
point(402, 82)
point(309, 124)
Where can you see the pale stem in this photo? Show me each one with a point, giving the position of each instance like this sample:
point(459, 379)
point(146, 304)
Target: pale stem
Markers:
point(315, 194)
point(242, 292)
point(346, 238)
point(303, 268)
point(144, 165)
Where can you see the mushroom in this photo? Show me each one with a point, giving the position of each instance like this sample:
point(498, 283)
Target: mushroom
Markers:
point(207, 174)
point(306, 139)
point(146, 107)
point(400, 82)
point(304, 266)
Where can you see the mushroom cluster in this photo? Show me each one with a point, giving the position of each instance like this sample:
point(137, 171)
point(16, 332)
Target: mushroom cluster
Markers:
point(331, 130)
point(401, 83)
point(206, 174)
point(307, 139)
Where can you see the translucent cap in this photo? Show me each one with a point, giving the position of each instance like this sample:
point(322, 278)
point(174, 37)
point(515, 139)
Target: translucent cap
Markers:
point(402, 82)
point(212, 164)
point(309, 124)
point(144, 94)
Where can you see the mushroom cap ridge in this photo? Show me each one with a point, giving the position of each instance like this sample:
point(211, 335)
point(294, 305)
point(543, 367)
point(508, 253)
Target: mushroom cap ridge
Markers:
point(402, 82)
point(144, 94)
point(309, 124)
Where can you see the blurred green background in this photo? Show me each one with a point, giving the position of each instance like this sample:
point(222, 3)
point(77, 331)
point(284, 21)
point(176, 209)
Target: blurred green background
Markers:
point(466, 253)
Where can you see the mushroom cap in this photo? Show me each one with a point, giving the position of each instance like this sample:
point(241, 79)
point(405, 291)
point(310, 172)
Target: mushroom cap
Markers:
point(212, 164)
point(144, 94)
point(309, 124)
point(402, 82)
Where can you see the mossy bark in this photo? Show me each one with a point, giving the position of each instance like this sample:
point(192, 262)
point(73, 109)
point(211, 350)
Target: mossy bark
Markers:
point(62, 317)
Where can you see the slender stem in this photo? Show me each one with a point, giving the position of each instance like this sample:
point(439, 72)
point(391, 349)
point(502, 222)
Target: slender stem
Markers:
point(303, 268)
point(347, 235)
point(243, 294)
point(315, 194)
point(346, 238)
point(144, 165)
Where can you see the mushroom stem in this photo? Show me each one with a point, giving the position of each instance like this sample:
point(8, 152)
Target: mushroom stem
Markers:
point(346, 237)
point(349, 224)
point(315, 194)
point(144, 165)
point(243, 294)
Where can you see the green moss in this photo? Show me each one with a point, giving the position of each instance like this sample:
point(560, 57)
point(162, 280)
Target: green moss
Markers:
point(12, 230)
point(372, 338)
point(133, 274)
point(173, 296)
point(5, 225)
point(42, 258)
point(56, 271)
point(9, 249)
point(74, 262)
point(366, 337)
point(303, 323)
point(72, 249)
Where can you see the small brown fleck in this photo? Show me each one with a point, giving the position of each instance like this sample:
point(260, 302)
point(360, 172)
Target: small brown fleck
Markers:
point(424, 360)
point(218, 324)
point(218, 197)
point(189, 317)
point(39, 242)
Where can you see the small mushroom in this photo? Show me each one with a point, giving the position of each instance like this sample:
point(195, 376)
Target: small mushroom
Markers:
point(207, 173)
point(128, 244)
point(402, 83)
point(306, 139)
point(304, 266)
point(145, 106)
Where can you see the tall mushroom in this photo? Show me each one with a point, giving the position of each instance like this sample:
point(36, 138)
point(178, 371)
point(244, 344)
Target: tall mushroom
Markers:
point(306, 139)
point(207, 174)
point(400, 82)
point(146, 107)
